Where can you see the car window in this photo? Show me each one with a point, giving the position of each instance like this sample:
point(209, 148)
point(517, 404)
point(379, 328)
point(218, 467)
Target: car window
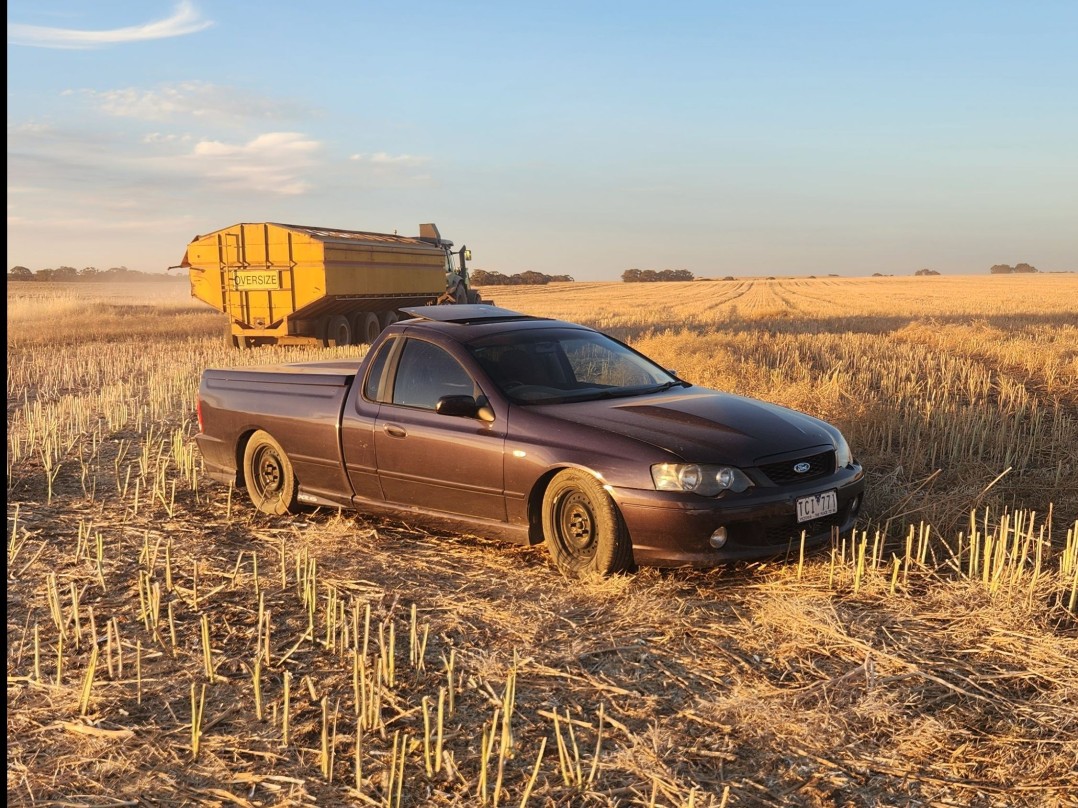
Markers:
point(425, 373)
point(560, 365)
point(377, 370)
point(605, 364)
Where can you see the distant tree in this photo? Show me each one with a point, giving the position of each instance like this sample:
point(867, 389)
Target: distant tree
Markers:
point(652, 276)
point(89, 273)
point(877, 275)
point(1024, 268)
point(65, 274)
point(1001, 269)
point(20, 273)
point(529, 277)
point(926, 272)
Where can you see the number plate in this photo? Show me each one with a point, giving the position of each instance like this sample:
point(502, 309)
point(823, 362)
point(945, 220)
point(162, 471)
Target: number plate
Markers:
point(816, 506)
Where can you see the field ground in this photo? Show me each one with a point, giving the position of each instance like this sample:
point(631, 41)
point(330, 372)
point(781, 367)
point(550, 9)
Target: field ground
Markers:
point(168, 645)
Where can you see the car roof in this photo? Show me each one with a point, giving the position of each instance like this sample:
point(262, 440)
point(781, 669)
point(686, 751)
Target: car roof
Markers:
point(467, 313)
point(464, 322)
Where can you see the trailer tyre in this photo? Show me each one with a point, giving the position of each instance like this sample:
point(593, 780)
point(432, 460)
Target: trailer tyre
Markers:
point(367, 327)
point(338, 331)
point(269, 476)
point(388, 318)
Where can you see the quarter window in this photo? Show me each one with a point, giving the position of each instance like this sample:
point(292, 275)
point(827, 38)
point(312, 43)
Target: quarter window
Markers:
point(377, 371)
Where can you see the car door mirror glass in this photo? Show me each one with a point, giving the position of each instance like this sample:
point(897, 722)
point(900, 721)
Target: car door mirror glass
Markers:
point(464, 406)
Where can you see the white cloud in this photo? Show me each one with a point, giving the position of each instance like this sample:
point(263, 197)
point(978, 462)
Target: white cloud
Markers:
point(385, 159)
point(185, 19)
point(191, 99)
point(385, 170)
point(275, 163)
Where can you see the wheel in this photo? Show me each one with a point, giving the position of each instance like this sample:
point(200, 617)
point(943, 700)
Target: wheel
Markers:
point(338, 331)
point(388, 318)
point(367, 327)
point(268, 475)
point(582, 528)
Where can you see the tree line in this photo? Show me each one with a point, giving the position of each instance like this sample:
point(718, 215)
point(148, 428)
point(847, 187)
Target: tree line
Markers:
point(651, 275)
point(1006, 269)
point(70, 274)
point(483, 277)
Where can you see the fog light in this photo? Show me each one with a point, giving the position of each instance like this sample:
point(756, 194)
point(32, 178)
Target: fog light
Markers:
point(718, 538)
point(855, 506)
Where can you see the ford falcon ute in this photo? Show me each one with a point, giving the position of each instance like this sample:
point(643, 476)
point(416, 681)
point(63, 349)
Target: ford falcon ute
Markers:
point(534, 430)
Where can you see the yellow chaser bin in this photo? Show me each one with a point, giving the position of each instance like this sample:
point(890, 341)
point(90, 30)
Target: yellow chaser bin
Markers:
point(294, 284)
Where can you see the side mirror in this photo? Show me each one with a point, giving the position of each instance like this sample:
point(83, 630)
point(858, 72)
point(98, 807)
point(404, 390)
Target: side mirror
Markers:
point(463, 407)
point(467, 255)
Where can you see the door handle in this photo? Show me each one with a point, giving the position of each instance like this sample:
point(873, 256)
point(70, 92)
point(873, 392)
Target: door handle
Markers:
point(395, 431)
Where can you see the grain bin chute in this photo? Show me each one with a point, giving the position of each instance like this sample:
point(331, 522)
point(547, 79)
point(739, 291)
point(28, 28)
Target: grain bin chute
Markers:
point(295, 284)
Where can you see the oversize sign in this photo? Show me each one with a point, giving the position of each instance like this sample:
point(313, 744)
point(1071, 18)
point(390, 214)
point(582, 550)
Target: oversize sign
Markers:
point(257, 279)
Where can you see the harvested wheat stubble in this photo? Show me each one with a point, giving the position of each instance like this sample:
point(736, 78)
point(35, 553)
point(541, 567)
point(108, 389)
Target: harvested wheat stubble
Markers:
point(934, 665)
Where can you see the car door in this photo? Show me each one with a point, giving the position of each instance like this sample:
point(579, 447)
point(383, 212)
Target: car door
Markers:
point(438, 462)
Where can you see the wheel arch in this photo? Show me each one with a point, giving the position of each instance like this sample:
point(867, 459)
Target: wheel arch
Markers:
point(241, 449)
point(538, 491)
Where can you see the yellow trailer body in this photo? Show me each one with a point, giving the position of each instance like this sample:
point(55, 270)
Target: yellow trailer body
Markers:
point(283, 283)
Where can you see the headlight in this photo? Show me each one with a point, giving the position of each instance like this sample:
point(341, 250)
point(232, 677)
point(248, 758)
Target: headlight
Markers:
point(843, 455)
point(699, 479)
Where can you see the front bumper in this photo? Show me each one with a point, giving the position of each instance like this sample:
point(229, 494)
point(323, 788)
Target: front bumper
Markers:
point(671, 529)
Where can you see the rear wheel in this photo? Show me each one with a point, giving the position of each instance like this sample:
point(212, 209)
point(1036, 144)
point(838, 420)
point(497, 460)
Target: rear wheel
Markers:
point(388, 318)
point(582, 528)
point(268, 475)
point(367, 327)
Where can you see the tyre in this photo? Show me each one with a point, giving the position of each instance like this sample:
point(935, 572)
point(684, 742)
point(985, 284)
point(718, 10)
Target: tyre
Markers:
point(388, 318)
point(338, 331)
point(582, 529)
point(268, 475)
point(367, 327)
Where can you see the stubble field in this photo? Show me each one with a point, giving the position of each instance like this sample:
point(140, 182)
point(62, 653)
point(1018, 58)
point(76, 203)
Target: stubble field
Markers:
point(168, 645)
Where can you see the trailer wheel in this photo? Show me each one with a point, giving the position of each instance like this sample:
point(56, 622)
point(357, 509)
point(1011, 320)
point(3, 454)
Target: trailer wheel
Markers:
point(268, 475)
point(367, 327)
point(338, 331)
point(388, 318)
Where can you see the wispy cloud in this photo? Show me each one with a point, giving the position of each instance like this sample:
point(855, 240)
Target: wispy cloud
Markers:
point(382, 169)
point(275, 163)
point(185, 19)
point(386, 159)
point(191, 99)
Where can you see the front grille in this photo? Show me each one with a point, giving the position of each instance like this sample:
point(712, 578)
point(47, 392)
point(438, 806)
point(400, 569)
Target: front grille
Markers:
point(820, 465)
point(791, 531)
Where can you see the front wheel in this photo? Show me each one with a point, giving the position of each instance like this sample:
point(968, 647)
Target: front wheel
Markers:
point(268, 475)
point(583, 531)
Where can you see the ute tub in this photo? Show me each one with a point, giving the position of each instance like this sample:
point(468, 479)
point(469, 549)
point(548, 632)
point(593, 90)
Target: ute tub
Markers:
point(299, 405)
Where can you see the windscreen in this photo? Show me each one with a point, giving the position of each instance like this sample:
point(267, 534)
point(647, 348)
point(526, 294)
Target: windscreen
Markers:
point(558, 365)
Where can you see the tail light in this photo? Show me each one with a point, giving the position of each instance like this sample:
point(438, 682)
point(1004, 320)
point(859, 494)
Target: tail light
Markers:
point(198, 412)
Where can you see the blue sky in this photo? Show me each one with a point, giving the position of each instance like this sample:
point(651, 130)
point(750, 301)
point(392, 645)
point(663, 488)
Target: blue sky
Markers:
point(579, 138)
